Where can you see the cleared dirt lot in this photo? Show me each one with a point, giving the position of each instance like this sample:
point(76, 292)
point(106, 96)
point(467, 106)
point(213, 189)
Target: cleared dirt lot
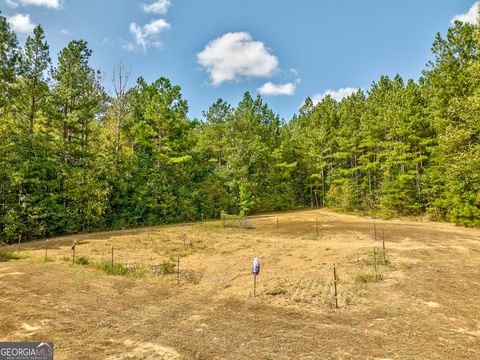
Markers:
point(426, 305)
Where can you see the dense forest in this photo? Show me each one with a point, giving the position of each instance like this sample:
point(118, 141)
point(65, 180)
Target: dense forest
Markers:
point(75, 158)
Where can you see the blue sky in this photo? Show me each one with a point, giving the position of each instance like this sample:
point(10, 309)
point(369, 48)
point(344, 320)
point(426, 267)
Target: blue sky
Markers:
point(286, 50)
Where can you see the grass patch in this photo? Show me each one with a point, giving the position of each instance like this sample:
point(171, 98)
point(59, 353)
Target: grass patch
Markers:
point(116, 269)
point(213, 225)
point(192, 276)
point(11, 255)
point(47, 260)
point(365, 278)
point(179, 249)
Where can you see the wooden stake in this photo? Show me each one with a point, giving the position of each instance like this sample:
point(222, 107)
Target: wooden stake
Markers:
point(73, 256)
point(277, 225)
point(375, 262)
point(46, 251)
point(375, 229)
point(335, 285)
point(178, 270)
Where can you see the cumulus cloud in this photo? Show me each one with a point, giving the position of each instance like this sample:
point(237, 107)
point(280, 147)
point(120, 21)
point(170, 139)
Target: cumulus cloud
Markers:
point(337, 95)
point(53, 4)
point(236, 55)
point(147, 35)
point(271, 89)
point(471, 16)
point(21, 24)
point(157, 7)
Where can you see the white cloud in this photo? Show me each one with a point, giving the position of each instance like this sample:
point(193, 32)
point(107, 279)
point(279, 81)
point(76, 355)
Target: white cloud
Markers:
point(147, 35)
point(53, 4)
point(470, 17)
point(11, 3)
point(236, 55)
point(158, 7)
point(21, 24)
point(337, 95)
point(271, 89)
point(64, 32)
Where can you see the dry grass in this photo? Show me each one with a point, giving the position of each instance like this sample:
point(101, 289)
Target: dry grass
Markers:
point(424, 303)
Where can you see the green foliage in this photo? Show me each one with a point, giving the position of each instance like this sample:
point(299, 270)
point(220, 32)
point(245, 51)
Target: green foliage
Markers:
point(73, 159)
point(465, 214)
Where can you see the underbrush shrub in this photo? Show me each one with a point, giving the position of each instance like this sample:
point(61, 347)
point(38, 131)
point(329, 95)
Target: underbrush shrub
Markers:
point(466, 215)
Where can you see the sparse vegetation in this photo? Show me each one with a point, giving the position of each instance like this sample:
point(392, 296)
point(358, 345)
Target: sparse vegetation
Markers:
point(295, 296)
point(11, 255)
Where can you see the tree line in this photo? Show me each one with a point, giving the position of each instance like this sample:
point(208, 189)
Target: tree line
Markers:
point(75, 158)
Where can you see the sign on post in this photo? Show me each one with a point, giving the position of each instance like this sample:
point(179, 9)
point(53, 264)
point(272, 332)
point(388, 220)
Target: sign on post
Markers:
point(255, 273)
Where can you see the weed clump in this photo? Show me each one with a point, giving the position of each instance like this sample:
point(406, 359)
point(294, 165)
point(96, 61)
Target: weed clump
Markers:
point(83, 260)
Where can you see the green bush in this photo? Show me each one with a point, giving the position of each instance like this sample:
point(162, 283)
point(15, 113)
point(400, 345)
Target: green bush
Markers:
point(466, 215)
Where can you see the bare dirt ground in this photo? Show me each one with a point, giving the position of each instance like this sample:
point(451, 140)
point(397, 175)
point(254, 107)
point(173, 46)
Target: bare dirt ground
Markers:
point(426, 304)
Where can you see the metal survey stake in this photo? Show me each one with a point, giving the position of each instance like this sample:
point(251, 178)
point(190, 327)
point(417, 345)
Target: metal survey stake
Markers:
point(335, 285)
point(255, 272)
